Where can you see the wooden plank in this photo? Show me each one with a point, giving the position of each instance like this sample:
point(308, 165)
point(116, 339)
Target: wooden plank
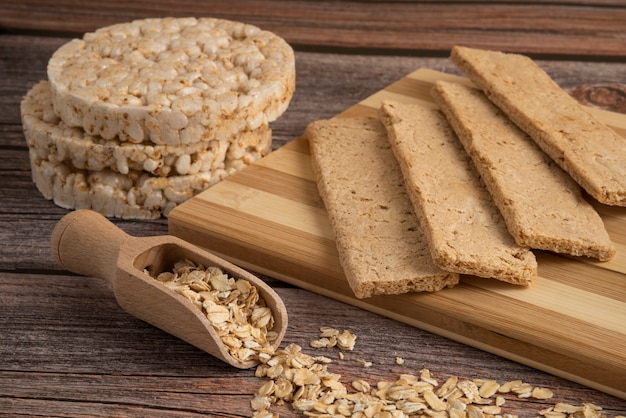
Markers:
point(583, 28)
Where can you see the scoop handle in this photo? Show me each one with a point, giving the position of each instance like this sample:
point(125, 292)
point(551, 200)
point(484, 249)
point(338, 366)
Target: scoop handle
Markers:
point(87, 243)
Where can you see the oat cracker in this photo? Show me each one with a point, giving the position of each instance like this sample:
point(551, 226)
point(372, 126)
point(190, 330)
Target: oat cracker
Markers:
point(381, 247)
point(592, 153)
point(465, 231)
point(542, 205)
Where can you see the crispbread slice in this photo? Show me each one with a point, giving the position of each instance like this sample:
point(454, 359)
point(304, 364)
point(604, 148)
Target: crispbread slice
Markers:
point(61, 142)
point(171, 80)
point(542, 205)
point(380, 244)
point(465, 230)
point(592, 153)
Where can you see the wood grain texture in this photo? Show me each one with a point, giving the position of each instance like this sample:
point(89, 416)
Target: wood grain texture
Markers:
point(583, 28)
point(566, 323)
point(74, 353)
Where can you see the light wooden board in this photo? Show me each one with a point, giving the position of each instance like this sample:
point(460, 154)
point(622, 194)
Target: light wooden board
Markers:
point(571, 322)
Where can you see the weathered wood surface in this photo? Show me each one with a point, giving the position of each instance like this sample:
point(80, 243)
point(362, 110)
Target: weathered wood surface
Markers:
point(67, 349)
point(593, 28)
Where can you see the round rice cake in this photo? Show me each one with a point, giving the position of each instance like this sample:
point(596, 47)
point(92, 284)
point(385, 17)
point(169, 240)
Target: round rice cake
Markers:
point(172, 81)
point(52, 140)
point(135, 195)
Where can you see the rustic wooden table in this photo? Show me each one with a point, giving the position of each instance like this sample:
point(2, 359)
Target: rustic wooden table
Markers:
point(67, 349)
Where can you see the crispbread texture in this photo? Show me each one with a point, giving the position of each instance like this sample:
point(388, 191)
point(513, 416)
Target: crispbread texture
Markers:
point(592, 153)
point(172, 81)
point(542, 205)
point(380, 244)
point(465, 230)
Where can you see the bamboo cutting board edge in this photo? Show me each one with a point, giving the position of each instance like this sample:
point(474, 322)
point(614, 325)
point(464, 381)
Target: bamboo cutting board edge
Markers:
point(245, 247)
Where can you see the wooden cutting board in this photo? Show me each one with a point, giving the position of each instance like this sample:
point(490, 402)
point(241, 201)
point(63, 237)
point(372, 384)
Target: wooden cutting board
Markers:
point(572, 322)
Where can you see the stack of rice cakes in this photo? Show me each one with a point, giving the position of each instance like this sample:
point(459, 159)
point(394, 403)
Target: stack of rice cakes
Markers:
point(136, 118)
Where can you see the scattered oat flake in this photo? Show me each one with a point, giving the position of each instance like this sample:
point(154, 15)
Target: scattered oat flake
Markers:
point(434, 401)
point(361, 385)
point(364, 363)
point(304, 382)
point(346, 340)
point(506, 387)
point(320, 343)
point(425, 377)
point(488, 388)
point(328, 332)
point(542, 393)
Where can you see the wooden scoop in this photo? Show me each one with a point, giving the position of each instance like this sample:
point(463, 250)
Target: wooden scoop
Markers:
point(87, 243)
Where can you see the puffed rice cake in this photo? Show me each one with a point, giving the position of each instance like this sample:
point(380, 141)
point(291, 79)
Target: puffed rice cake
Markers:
point(172, 81)
point(135, 195)
point(79, 172)
point(56, 142)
